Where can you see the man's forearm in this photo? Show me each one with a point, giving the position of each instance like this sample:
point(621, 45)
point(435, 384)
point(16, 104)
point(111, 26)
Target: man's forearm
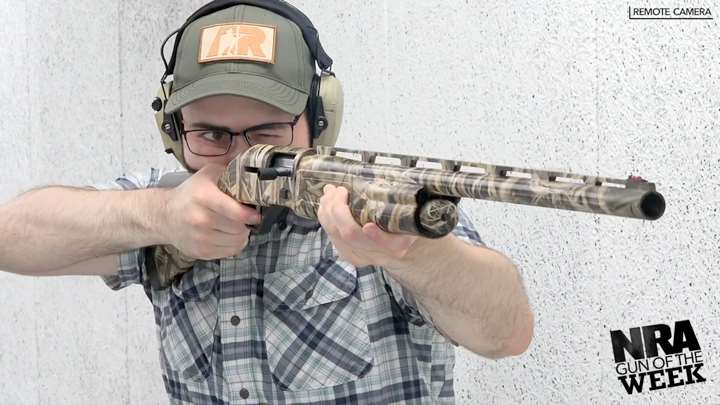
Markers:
point(55, 227)
point(473, 294)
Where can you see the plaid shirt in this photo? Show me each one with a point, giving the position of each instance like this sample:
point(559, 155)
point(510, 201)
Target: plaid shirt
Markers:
point(286, 321)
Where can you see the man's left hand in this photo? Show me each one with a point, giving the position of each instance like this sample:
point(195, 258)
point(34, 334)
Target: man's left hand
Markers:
point(361, 246)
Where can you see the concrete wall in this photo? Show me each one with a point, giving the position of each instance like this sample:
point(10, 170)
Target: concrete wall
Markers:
point(554, 85)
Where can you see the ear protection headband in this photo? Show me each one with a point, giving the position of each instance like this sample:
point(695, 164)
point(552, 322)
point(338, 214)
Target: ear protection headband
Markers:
point(325, 102)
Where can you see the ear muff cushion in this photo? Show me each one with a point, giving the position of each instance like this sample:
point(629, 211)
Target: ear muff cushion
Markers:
point(332, 96)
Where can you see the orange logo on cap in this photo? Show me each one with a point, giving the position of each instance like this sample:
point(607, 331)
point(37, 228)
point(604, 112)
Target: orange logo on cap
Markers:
point(237, 42)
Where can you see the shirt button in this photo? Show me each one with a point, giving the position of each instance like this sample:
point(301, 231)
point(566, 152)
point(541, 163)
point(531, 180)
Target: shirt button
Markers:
point(235, 321)
point(244, 393)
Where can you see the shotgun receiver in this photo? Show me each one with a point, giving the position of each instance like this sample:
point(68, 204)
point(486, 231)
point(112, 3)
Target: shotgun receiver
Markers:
point(407, 194)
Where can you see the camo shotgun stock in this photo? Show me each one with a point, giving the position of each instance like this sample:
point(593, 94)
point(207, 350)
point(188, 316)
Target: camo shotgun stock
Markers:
point(410, 194)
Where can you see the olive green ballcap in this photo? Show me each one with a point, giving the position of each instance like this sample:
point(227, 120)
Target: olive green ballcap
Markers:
point(244, 51)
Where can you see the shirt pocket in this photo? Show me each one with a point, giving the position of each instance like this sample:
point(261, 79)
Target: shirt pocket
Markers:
point(189, 320)
point(315, 327)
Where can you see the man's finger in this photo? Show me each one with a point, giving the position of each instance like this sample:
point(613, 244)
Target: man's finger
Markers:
point(226, 240)
point(325, 219)
point(211, 171)
point(344, 221)
point(229, 208)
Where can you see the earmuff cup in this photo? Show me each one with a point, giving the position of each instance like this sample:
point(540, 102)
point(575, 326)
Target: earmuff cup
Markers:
point(332, 96)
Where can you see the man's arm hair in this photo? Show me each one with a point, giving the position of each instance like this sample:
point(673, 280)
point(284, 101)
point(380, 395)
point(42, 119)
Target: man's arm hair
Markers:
point(60, 230)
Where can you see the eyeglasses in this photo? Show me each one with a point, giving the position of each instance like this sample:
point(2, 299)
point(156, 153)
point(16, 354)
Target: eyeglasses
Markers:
point(211, 142)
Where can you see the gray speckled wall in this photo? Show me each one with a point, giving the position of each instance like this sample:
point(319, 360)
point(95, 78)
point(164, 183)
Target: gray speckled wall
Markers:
point(555, 85)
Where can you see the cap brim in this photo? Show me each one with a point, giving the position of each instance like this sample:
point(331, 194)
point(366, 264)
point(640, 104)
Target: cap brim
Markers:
point(237, 84)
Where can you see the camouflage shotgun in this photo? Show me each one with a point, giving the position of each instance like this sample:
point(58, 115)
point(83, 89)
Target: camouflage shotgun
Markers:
point(406, 194)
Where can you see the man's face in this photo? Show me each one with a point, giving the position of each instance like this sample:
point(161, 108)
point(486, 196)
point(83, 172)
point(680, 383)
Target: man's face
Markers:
point(237, 114)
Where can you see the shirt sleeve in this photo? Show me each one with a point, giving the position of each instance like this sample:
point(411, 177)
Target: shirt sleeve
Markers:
point(412, 309)
point(133, 181)
point(132, 269)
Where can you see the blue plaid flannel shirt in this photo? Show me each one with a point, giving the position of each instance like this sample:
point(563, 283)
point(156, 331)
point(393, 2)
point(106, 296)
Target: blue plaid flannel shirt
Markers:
point(287, 322)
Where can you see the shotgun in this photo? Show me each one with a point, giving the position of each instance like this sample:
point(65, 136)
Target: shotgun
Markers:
point(403, 193)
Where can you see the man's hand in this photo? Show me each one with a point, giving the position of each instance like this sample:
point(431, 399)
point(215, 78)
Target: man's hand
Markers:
point(361, 246)
point(202, 221)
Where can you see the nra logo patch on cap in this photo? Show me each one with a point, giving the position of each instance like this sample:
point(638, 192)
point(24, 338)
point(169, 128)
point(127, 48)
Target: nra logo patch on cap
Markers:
point(237, 42)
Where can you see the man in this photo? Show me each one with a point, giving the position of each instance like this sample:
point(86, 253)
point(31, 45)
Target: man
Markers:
point(307, 312)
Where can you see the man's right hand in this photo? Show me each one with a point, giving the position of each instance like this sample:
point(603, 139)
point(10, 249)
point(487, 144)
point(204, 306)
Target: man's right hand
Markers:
point(202, 221)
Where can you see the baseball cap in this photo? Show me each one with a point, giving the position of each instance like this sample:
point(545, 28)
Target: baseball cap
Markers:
point(245, 51)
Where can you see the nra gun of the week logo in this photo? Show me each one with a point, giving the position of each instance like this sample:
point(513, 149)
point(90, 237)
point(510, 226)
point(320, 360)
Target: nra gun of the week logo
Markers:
point(680, 364)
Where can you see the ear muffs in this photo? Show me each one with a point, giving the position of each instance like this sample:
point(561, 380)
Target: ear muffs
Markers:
point(325, 119)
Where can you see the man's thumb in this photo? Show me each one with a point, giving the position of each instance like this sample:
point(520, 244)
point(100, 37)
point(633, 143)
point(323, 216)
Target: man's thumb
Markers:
point(212, 171)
